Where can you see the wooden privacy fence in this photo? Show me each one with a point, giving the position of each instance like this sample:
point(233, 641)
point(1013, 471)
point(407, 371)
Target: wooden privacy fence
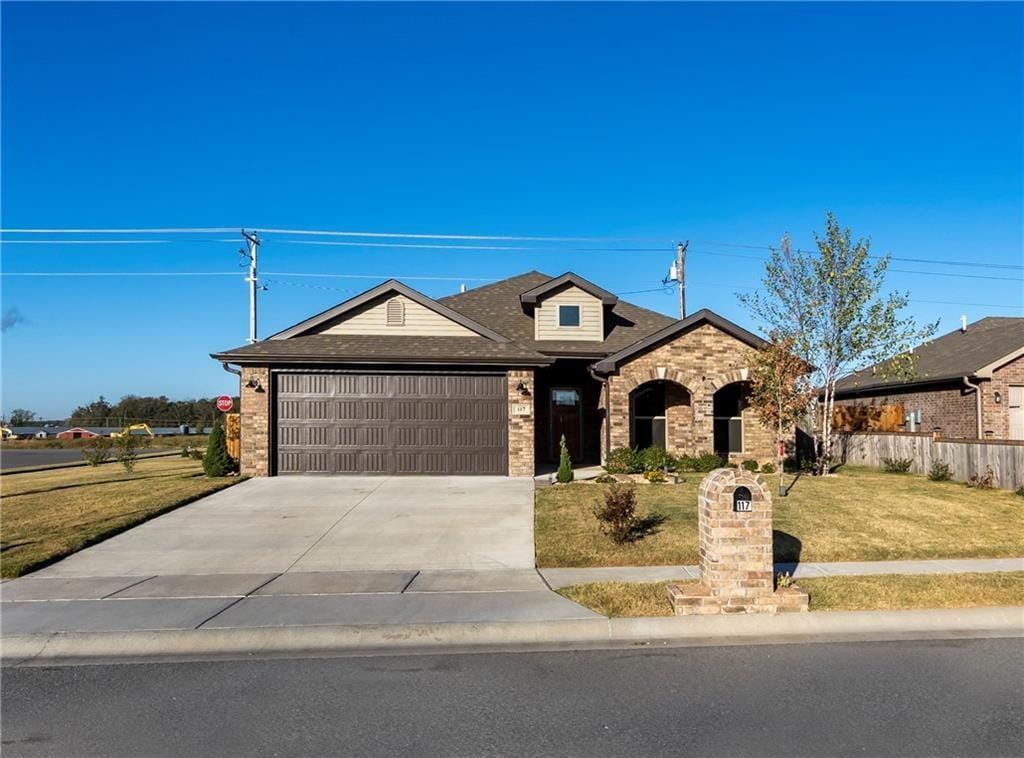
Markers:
point(966, 458)
point(233, 434)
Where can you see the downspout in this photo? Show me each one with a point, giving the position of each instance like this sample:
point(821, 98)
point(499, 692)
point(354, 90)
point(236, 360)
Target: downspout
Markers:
point(607, 410)
point(977, 396)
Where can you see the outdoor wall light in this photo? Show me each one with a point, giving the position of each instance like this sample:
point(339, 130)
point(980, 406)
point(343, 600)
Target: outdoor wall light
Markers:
point(254, 384)
point(522, 389)
point(998, 397)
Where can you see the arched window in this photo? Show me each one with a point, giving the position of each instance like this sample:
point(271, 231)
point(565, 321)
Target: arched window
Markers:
point(395, 312)
point(649, 416)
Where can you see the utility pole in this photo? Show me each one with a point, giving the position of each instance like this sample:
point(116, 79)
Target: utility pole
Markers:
point(681, 275)
point(253, 244)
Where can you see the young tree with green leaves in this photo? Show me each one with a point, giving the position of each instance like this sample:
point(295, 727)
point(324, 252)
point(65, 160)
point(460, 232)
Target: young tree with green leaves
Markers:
point(782, 392)
point(565, 474)
point(831, 303)
point(216, 461)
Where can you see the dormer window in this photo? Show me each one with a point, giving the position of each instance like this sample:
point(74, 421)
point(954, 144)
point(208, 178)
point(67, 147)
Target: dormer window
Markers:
point(569, 316)
point(395, 312)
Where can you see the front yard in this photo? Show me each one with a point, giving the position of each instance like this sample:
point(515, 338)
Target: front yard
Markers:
point(47, 515)
point(832, 593)
point(858, 514)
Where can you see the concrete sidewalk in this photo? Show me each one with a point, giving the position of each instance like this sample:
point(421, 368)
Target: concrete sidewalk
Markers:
point(563, 577)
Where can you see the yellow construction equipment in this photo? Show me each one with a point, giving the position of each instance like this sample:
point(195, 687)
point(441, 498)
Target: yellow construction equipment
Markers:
point(6, 433)
point(133, 428)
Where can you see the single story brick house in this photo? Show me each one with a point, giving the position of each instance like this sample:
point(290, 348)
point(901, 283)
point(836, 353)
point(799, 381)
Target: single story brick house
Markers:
point(967, 384)
point(487, 381)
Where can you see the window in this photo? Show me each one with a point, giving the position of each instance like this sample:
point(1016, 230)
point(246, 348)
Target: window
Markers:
point(395, 312)
point(565, 397)
point(728, 423)
point(649, 417)
point(568, 315)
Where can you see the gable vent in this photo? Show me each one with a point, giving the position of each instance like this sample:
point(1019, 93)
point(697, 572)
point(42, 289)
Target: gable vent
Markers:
point(395, 312)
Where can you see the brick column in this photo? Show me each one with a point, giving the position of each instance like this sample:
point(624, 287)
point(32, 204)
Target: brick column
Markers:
point(521, 454)
point(255, 418)
point(736, 560)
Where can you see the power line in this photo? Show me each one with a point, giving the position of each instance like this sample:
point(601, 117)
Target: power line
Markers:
point(383, 277)
point(119, 273)
point(161, 230)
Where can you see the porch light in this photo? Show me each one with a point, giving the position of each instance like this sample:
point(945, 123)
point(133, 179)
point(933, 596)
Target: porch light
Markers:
point(522, 389)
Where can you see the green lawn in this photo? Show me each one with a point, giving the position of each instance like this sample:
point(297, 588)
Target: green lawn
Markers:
point(833, 593)
point(855, 515)
point(47, 515)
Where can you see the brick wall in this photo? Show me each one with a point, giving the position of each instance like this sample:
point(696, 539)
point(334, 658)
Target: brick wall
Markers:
point(520, 427)
point(996, 416)
point(695, 364)
point(255, 413)
point(948, 409)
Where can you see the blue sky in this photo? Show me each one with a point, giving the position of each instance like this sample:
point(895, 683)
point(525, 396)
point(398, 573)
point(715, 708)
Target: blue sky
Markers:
point(714, 123)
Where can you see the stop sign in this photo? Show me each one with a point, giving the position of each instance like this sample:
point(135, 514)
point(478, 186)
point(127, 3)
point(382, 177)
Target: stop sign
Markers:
point(225, 403)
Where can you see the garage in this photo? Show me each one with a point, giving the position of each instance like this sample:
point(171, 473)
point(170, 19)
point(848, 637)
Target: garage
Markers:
point(384, 422)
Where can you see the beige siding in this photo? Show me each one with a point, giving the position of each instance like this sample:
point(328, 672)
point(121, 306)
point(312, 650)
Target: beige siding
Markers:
point(419, 322)
point(545, 317)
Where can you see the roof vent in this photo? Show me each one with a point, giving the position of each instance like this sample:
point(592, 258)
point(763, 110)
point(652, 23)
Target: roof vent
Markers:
point(963, 322)
point(395, 312)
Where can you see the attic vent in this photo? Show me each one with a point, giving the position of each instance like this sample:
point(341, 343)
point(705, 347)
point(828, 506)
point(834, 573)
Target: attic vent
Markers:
point(395, 312)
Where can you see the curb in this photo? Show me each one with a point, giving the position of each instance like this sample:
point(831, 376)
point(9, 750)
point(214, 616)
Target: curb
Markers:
point(68, 648)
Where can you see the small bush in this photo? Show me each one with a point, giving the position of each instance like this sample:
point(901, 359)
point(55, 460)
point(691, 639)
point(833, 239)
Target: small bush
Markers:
point(940, 472)
point(195, 454)
point(127, 452)
point(767, 469)
point(97, 450)
point(618, 514)
point(605, 479)
point(684, 463)
point(1020, 492)
point(985, 481)
point(897, 465)
point(785, 579)
point(216, 461)
point(564, 475)
point(623, 460)
point(750, 465)
point(655, 476)
point(709, 462)
point(655, 458)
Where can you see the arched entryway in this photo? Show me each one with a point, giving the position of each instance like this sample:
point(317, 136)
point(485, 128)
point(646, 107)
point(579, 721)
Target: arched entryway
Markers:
point(658, 411)
point(729, 402)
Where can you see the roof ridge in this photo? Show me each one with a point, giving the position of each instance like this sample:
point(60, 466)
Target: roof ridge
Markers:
point(483, 287)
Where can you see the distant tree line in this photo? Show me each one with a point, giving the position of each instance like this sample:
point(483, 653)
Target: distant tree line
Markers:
point(156, 411)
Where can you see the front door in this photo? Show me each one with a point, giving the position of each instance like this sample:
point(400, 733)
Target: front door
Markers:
point(567, 419)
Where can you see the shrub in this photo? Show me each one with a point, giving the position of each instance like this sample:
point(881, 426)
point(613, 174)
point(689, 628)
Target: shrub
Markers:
point(618, 514)
point(1020, 492)
point(750, 465)
point(940, 472)
point(897, 465)
point(767, 469)
point(654, 458)
point(564, 475)
point(983, 482)
point(623, 460)
point(97, 450)
point(605, 479)
point(186, 452)
point(785, 579)
point(195, 454)
point(127, 452)
point(655, 476)
point(708, 462)
point(684, 463)
point(216, 461)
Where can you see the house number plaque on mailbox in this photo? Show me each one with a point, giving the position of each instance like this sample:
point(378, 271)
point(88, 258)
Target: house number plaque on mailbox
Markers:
point(742, 502)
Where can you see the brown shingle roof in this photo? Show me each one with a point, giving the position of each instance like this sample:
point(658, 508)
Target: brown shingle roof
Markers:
point(950, 356)
point(325, 348)
point(497, 306)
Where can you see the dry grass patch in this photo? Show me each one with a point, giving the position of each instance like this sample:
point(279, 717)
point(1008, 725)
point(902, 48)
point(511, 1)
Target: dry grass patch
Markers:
point(833, 593)
point(50, 514)
point(855, 515)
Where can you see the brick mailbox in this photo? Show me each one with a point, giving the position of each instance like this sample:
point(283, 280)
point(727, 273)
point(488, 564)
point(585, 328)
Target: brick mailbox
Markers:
point(734, 519)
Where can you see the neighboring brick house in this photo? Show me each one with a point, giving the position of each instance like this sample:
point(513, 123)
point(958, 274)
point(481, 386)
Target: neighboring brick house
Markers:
point(488, 381)
point(967, 384)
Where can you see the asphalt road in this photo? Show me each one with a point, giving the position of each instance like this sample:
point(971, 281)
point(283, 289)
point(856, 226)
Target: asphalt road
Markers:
point(933, 698)
point(49, 456)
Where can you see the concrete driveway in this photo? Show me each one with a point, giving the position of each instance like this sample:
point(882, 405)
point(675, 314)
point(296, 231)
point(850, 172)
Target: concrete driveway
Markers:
point(327, 524)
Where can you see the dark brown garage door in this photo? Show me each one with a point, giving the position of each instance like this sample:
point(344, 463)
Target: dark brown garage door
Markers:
point(391, 423)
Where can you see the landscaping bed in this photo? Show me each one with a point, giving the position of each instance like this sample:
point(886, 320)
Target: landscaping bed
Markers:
point(858, 514)
point(48, 515)
point(833, 593)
